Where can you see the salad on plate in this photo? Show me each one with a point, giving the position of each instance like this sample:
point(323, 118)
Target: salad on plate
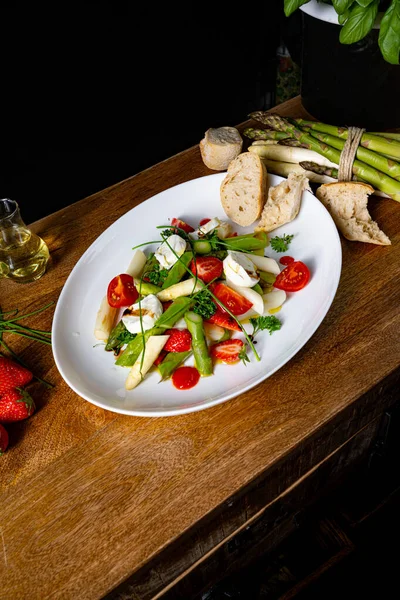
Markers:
point(194, 298)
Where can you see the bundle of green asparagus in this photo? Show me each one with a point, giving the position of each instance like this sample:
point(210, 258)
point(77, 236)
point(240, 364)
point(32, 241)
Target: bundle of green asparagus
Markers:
point(293, 144)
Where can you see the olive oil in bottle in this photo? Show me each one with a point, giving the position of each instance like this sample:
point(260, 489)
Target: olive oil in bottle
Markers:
point(23, 254)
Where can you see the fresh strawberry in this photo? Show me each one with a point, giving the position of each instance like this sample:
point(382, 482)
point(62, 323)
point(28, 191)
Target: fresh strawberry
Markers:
point(3, 439)
point(160, 357)
point(207, 268)
point(166, 304)
point(182, 225)
point(204, 221)
point(16, 405)
point(180, 340)
point(229, 351)
point(12, 375)
point(223, 319)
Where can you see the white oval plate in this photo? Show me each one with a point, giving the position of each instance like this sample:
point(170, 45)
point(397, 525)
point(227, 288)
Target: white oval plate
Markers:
point(91, 372)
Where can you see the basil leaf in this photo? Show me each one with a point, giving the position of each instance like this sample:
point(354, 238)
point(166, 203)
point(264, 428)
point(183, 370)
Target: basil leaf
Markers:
point(342, 5)
point(343, 17)
point(291, 5)
point(364, 3)
point(389, 34)
point(359, 23)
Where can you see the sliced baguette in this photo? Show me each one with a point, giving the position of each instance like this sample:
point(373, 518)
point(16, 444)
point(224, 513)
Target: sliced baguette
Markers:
point(283, 202)
point(243, 191)
point(347, 201)
point(220, 146)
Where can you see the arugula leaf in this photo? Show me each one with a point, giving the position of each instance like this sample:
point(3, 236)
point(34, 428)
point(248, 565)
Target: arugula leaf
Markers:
point(281, 243)
point(270, 323)
point(389, 34)
point(291, 5)
point(359, 23)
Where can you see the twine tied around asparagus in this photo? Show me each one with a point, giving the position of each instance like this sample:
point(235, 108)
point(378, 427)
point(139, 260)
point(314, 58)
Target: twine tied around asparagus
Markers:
point(348, 154)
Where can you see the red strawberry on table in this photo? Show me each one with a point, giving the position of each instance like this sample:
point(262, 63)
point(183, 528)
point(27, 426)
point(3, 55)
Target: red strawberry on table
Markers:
point(180, 340)
point(15, 405)
point(3, 439)
point(12, 375)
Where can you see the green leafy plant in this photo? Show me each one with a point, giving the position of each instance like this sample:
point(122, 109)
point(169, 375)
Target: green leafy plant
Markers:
point(357, 18)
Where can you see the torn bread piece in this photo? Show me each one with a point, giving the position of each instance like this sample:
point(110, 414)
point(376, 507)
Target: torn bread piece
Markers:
point(243, 190)
point(220, 146)
point(283, 202)
point(346, 202)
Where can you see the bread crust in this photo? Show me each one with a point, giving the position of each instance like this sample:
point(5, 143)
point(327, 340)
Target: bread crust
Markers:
point(220, 146)
point(243, 191)
point(346, 202)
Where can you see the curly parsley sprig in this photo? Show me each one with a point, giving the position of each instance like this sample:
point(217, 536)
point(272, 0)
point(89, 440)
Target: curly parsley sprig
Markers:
point(281, 243)
point(269, 323)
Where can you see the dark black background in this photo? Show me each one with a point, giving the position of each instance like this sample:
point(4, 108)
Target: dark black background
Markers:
point(94, 93)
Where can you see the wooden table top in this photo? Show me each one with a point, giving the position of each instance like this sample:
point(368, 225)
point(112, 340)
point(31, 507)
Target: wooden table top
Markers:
point(88, 497)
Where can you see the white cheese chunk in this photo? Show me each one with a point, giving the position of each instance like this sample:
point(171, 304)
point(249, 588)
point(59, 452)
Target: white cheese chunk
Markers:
point(169, 252)
point(240, 270)
point(207, 227)
point(150, 310)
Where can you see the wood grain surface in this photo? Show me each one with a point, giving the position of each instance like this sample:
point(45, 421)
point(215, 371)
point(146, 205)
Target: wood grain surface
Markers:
point(88, 497)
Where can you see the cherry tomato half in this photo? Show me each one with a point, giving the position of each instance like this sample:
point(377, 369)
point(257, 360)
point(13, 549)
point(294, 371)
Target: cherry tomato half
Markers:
point(236, 303)
point(182, 225)
point(293, 278)
point(121, 291)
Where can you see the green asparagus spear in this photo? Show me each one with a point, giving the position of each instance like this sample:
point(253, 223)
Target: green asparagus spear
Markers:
point(377, 179)
point(368, 140)
point(264, 134)
point(171, 362)
point(202, 358)
point(145, 288)
point(174, 312)
point(135, 347)
point(371, 158)
point(385, 134)
point(176, 273)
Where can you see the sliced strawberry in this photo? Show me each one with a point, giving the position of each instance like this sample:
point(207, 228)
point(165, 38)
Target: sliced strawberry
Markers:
point(207, 268)
point(166, 304)
point(12, 375)
point(180, 340)
point(229, 351)
point(223, 319)
point(203, 222)
point(182, 225)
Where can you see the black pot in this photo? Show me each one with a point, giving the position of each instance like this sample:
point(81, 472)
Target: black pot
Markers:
point(347, 84)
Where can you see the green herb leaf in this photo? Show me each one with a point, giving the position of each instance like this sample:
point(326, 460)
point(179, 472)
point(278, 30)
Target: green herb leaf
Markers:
point(269, 323)
point(389, 34)
point(281, 243)
point(359, 23)
point(342, 5)
point(291, 5)
point(204, 305)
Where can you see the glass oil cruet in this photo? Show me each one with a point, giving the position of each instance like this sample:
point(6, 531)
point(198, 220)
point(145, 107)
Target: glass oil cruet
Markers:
point(23, 254)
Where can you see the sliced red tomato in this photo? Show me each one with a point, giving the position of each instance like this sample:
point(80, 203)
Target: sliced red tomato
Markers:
point(223, 319)
point(182, 225)
point(228, 351)
point(207, 268)
point(237, 304)
point(121, 291)
point(293, 278)
point(203, 222)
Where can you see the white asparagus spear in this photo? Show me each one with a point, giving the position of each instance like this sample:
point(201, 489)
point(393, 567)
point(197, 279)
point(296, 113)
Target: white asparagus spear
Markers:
point(153, 347)
point(105, 319)
point(290, 154)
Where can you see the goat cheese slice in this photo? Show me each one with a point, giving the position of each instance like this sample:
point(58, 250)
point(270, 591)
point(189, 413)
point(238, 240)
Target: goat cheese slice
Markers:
point(150, 310)
point(209, 226)
point(169, 252)
point(240, 270)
